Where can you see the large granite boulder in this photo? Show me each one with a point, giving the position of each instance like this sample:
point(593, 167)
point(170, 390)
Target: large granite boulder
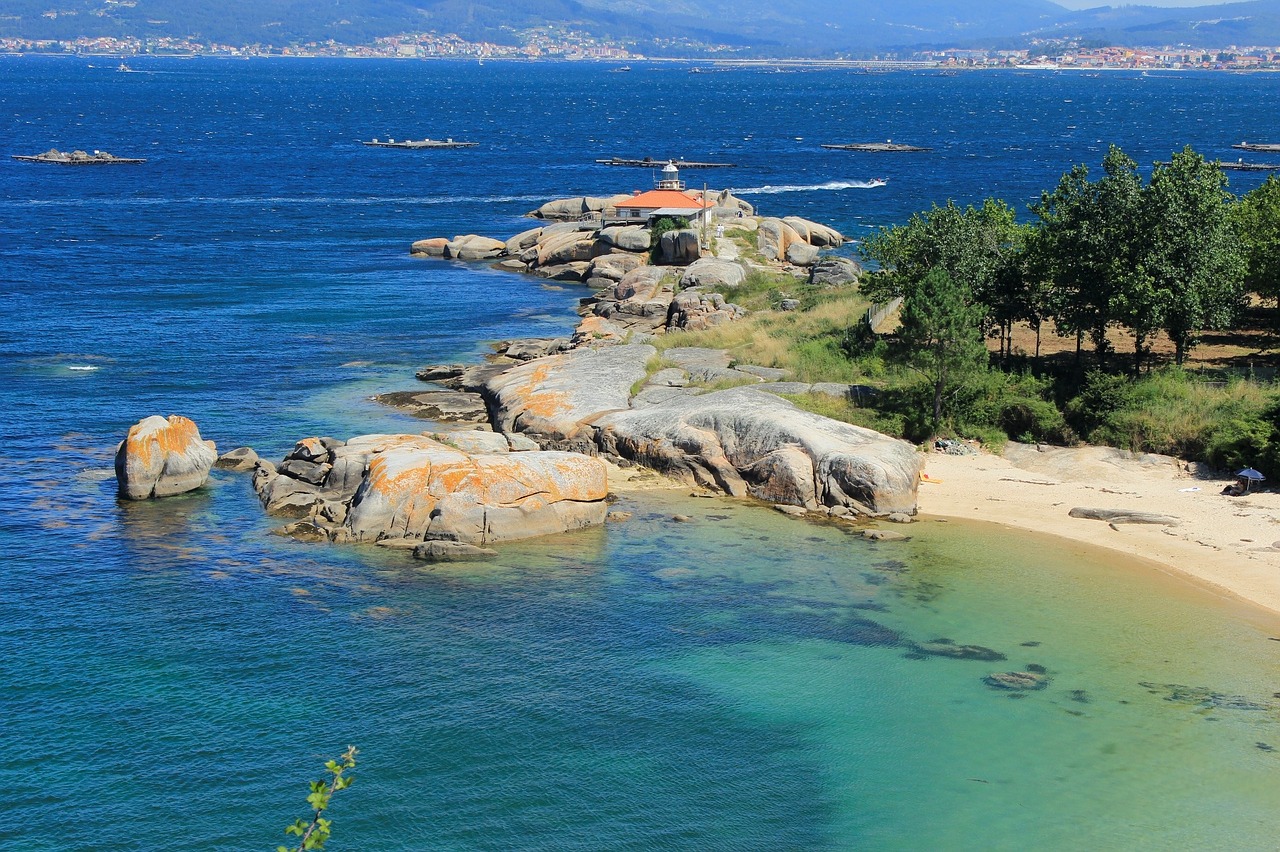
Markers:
point(555, 399)
point(160, 458)
point(680, 248)
point(835, 272)
point(802, 254)
point(774, 236)
point(714, 273)
point(743, 441)
point(433, 247)
point(405, 489)
point(474, 247)
point(815, 234)
point(627, 237)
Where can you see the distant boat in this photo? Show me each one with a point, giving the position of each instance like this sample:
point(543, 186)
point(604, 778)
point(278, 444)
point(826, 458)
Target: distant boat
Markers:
point(874, 182)
point(620, 69)
point(124, 67)
point(695, 70)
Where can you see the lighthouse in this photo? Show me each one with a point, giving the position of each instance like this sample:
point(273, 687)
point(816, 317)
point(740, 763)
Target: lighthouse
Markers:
point(670, 177)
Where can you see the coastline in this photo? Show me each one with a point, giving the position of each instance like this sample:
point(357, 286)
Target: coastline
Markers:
point(1225, 544)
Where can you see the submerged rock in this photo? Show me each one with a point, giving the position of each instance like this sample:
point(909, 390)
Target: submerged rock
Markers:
point(161, 458)
point(1016, 681)
point(947, 648)
point(452, 551)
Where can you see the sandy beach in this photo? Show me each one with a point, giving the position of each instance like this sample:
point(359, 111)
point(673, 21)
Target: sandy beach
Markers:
point(1230, 544)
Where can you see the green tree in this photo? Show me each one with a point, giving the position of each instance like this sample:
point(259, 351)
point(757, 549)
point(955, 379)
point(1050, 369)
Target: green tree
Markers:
point(1091, 245)
point(941, 334)
point(970, 244)
point(1195, 261)
point(1257, 222)
point(314, 834)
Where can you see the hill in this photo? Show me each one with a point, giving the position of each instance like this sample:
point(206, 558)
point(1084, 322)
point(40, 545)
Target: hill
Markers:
point(762, 27)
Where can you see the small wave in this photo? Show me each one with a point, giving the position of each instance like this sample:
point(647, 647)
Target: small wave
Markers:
point(830, 186)
point(83, 368)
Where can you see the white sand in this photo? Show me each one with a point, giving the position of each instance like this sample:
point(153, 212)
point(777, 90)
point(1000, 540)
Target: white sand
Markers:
point(1231, 544)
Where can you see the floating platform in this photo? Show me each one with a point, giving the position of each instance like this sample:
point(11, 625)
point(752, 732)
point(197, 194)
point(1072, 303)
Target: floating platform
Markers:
point(1265, 147)
point(878, 147)
point(78, 158)
point(650, 162)
point(419, 143)
point(1242, 166)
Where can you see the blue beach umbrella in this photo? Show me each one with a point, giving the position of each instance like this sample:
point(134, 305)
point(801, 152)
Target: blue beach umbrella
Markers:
point(1250, 476)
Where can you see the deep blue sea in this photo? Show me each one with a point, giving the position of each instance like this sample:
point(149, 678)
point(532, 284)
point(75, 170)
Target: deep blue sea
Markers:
point(171, 674)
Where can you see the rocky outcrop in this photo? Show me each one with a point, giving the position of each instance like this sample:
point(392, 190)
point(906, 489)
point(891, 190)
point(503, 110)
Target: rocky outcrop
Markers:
point(835, 272)
point(555, 399)
point(161, 458)
point(815, 234)
point(565, 209)
point(408, 489)
point(745, 442)
point(774, 236)
point(442, 406)
point(693, 310)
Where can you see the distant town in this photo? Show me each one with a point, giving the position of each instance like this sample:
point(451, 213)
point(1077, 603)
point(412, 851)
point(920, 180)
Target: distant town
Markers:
point(566, 44)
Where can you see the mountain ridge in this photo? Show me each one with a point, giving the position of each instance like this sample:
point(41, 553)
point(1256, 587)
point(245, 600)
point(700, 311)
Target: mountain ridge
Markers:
point(752, 27)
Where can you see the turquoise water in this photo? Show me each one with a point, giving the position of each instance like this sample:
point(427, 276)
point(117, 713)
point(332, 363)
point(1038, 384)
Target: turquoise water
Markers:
point(173, 674)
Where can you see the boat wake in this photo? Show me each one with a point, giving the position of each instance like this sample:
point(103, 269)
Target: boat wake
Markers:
point(830, 186)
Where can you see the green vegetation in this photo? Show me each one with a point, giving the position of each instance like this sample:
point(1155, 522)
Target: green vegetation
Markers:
point(1157, 266)
point(314, 834)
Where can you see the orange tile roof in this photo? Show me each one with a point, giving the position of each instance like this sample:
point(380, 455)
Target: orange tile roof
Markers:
point(659, 198)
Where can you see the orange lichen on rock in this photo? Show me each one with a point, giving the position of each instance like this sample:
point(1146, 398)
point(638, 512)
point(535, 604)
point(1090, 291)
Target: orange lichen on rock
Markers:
point(160, 458)
point(417, 488)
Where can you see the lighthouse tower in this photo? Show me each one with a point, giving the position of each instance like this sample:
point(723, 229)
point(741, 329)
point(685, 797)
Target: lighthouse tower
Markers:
point(670, 177)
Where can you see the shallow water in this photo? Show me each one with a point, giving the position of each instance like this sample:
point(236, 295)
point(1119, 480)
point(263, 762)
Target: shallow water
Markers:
point(173, 673)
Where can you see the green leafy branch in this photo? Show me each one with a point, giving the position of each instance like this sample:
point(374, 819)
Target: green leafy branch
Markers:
point(314, 834)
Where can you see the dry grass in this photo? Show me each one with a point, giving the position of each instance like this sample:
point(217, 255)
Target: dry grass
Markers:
point(806, 342)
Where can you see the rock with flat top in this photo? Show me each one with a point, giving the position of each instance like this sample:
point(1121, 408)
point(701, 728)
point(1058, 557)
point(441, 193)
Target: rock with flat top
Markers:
point(162, 457)
point(417, 488)
point(559, 396)
point(240, 459)
point(452, 551)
